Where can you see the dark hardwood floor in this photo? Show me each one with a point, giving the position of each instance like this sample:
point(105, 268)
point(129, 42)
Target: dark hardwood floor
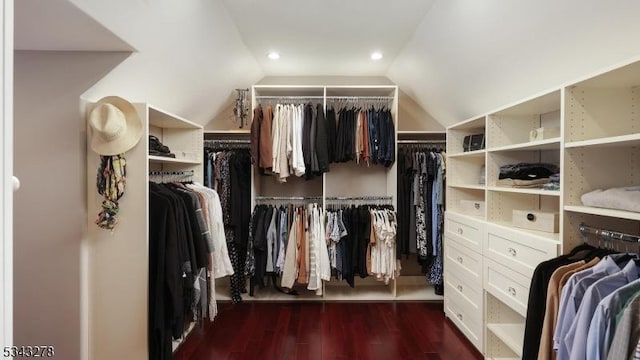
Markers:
point(339, 330)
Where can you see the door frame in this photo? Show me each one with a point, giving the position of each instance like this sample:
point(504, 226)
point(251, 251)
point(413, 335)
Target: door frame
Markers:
point(6, 172)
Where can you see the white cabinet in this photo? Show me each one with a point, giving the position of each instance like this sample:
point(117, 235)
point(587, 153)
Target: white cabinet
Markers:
point(598, 147)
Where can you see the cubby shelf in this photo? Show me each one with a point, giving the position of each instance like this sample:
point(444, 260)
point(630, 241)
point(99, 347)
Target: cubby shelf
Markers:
point(468, 186)
point(607, 142)
point(547, 144)
point(603, 212)
point(470, 154)
point(510, 334)
point(525, 191)
point(168, 160)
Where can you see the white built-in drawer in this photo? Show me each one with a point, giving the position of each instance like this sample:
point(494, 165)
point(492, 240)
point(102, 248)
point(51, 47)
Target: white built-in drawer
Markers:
point(517, 250)
point(468, 294)
point(467, 230)
point(469, 325)
point(463, 261)
point(507, 286)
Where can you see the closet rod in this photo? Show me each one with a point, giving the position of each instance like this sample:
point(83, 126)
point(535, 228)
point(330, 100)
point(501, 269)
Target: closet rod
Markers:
point(331, 198)
point(258, 198)
point(278, 97)
point(226, 141)
point(360, 98)
point(422, 141)
point(608, 234)
point(167, 172)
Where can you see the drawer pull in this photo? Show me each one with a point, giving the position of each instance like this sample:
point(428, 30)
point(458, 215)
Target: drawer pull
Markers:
point(460, 231)
point(459, 316)
point(460, 288)
point(512, 291)
point(460, 259)
point(512, 251)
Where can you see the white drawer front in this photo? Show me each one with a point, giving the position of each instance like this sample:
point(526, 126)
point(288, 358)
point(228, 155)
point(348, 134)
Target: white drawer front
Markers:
point(464, 293)
point(469, 325)
point(463, 261)
point(517, 250)
point(466, 230)
point(507, 286)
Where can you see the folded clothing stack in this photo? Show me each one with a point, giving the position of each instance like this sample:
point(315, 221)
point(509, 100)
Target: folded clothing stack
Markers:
point(526, 175)
point(553, 184)
point(623, 198)
point(158, 149)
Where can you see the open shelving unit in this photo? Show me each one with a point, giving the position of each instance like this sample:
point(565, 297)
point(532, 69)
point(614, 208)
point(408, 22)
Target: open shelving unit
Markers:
point(119, 259)
point(598, 147)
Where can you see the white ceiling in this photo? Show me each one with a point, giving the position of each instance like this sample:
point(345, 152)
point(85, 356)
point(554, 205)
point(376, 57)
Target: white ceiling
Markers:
point(328, 37)
point(60, 25)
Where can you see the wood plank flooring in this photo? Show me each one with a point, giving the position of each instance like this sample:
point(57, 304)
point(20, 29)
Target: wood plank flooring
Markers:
point(328, 330)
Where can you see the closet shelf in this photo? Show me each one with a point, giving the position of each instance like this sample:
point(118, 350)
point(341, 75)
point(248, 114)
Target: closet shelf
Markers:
point(228, 132)
point(547, 144)
point(468, 186)
point(165, 120)
point(421, 132)
point(470, 154)
point(613, 141)
point(622, 214)
point(168, 160)
point(540, 234)
point(525, 191)
point(511, 335)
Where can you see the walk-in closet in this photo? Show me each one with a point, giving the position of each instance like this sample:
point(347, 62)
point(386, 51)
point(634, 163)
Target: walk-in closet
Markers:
point(231, 179)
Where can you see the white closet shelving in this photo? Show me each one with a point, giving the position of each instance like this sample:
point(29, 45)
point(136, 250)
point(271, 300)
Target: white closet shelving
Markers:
point(598, 148)
point(119, 259)
point(343, 180)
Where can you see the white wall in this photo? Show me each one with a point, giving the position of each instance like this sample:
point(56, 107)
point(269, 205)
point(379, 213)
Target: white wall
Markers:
point(191, 57)
point(469, 57)
point(50, 210)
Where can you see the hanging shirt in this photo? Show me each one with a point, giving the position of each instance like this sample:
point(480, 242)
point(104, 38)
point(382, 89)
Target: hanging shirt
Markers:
point(576, 337)
point(567, 310)
point(601, 329)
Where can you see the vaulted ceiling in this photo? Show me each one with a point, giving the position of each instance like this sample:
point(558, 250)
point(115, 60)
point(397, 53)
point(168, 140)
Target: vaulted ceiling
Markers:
point(455, 58)
point(329, 37)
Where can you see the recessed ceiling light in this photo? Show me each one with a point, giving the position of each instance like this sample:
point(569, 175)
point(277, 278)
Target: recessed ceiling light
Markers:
point(273, 55)
point(376, 55)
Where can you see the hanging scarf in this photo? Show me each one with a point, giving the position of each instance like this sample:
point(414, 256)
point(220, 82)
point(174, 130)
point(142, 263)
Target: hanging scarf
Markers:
point(110, 181)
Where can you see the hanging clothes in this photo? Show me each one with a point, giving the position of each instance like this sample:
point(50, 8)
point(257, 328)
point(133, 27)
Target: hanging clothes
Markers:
point(576, 303)
point(421, 177)
point(229, 173)
point(186, 254)
point(361, 241)
point(292, 247)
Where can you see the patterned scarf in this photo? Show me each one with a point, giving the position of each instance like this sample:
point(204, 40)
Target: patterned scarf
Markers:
point(111, 181)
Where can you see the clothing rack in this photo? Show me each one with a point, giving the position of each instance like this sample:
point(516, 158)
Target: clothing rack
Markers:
point(171, 173)
point(358, 98)
point(434, 142)
point(608, 234)
point(289, 198)
point(339, 198)
point(227, 144)
point(295, 97)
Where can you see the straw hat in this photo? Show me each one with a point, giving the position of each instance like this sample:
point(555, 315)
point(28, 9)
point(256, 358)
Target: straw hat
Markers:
point(116, 127)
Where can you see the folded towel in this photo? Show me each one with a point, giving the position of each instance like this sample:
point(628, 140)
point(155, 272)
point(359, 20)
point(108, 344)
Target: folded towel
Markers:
point(624, 198)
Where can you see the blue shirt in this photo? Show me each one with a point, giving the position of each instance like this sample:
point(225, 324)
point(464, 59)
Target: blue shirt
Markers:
point(566, 309)
point(575, 341)
point(602, 326)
